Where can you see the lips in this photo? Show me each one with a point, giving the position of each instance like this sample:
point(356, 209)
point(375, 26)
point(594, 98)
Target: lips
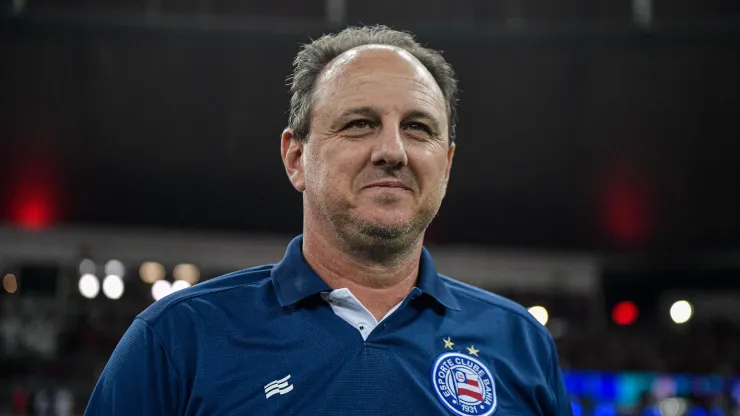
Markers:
point(388, 183)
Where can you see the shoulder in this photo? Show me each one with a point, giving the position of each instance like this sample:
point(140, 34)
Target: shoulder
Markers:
point(211, 291)
point(480, 301)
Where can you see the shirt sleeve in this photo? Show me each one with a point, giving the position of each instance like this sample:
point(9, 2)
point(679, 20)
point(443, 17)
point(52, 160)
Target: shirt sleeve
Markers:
point(139, 378)
point(561, 406)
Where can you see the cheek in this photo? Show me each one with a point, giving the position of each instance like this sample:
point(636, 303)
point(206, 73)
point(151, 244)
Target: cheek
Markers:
point(328, 173)
point(344, 163)
point(315, 173)
point(432, 171)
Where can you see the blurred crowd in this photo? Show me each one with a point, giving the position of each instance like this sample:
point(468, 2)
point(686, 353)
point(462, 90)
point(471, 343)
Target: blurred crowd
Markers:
point(701, 349)
point(50, 362)
point(55, 401)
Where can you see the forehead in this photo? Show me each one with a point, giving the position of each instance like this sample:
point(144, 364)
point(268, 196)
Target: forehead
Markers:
point(362, 73)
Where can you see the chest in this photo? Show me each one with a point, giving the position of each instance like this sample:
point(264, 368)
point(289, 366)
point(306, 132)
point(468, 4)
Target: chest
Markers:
point(321, 365)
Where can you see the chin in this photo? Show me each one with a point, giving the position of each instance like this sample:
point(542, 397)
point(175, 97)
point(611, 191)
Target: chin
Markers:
point(393, 222)
point(371, 226)
point(386, 216)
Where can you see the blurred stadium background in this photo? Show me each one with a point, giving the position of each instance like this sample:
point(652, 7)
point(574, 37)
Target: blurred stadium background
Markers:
point(597, 178)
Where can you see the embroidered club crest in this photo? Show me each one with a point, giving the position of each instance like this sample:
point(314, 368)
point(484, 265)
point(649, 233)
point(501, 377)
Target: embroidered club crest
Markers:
point(464, 385)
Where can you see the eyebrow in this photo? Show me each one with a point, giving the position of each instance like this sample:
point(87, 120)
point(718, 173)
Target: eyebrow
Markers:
point(369, 112)
point(360, 111)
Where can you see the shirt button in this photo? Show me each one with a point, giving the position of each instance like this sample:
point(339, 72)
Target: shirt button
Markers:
point(362, 326)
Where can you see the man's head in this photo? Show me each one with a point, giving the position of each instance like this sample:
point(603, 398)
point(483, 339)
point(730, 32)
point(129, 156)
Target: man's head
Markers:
point(371, 136)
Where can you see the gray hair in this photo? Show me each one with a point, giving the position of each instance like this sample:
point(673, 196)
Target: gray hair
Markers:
point(314, 56)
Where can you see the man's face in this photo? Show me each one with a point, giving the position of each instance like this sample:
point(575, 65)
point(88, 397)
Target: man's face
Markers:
point(377, 159)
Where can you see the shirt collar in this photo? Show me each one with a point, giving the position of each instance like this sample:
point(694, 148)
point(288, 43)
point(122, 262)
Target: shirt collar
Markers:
point(294, 280)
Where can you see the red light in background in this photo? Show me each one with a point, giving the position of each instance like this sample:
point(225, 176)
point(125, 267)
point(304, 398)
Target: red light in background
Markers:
point(625, 213)
point(32, 209)
point(625, 313)
point(626, 203)
point(32, 174)
point(34, 194)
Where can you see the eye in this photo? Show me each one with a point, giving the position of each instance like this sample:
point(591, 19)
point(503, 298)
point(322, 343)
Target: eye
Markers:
point(419, 127)
point(358, 124)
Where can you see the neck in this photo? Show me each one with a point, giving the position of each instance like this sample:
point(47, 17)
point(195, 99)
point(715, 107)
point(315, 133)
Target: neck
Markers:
point(379, 286)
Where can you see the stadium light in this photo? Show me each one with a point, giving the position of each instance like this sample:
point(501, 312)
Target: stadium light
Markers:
point(114, 268)
point(113, 287)
point(89, 285)
point(672, 406)
point(87, 266)
point(186, 272)
point(540, 314)
point(681, 312)
point(10, 283)
point(151, 271)
point(160, 289)
point(179, 285)
point(625, 313)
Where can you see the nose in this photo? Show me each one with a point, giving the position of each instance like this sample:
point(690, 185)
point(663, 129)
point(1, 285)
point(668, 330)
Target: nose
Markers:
point(390, 149)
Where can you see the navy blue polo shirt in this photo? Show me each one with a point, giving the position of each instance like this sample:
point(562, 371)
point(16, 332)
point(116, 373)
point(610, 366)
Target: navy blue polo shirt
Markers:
point(264, 341)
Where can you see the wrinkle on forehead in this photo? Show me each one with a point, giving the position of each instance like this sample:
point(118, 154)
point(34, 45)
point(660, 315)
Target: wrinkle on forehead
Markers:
point(419, 89)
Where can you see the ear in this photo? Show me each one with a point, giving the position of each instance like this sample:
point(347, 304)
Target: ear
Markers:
point(450, 156)
point(291, 150)
point(448, 168)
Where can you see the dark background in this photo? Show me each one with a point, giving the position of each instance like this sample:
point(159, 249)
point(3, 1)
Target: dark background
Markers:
point(578, 129)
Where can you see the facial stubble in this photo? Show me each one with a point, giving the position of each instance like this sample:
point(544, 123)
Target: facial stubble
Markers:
point(382, 243)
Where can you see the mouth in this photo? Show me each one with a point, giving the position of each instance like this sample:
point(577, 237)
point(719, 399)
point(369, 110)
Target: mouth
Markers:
point(388, 183)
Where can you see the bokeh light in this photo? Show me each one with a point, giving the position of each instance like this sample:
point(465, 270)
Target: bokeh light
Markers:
point(681, 312)
point(113, 286)
point(151, 271)
point(160, 289)
point(540, 314)
point(10, 283)
point(187, 272)
point(89, 286)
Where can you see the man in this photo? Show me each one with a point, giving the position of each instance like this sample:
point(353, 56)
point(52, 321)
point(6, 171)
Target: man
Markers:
point(354, 320)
